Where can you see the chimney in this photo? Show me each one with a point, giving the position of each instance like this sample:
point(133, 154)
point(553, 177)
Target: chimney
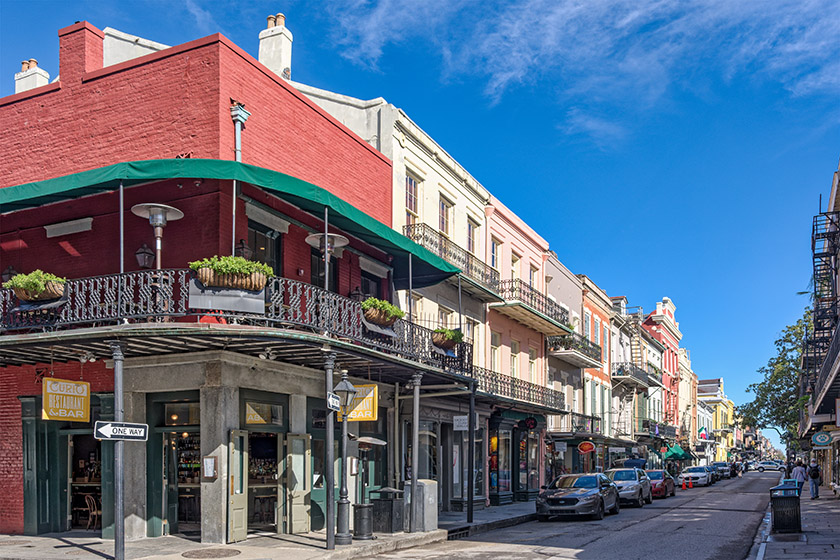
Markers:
point(276, 47)
point(80, 50)
point(30, 76)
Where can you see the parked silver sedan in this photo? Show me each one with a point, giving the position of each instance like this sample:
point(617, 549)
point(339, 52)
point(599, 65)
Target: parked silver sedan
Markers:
point(578, 494)
point(633, 485)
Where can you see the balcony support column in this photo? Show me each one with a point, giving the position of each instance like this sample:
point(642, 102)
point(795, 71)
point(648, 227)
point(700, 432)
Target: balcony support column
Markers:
point(415, 452)
point(471, 458)
point(460, 309)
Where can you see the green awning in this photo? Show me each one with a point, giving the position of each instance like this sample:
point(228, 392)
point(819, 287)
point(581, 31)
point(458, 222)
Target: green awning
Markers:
point(427, 268)
point(677, 453)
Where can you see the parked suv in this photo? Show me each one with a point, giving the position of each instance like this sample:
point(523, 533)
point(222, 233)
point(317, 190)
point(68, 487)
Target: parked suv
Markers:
point(723, 469)
point(633, 485)
point(769, 466)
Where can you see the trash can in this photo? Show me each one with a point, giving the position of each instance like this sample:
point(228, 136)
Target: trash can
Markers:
point(784, 503)
point(388, 511)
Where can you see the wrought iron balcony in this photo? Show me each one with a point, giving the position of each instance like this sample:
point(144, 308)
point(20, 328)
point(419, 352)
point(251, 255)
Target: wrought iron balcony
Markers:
point(654, 374)
point(163, 296)
point(658, 429)
point(575, 422)
point(575, 349)
point(725, 428)
point(532, 308)
point(505, 386)
point(630, 372)
point(471, 266)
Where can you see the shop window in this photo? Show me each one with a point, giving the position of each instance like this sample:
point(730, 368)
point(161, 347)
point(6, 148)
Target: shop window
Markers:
point(182, 414)
point(257, 413)
point(499, 461)
point(460, 464)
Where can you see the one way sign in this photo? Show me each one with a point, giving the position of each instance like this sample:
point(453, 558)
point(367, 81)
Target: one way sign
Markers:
point(121, 431)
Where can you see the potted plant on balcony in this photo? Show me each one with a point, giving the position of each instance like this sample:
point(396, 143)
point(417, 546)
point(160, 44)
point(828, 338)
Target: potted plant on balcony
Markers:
point(380, 312)
point(447, 338)
point(232, 272)
point(36, 286)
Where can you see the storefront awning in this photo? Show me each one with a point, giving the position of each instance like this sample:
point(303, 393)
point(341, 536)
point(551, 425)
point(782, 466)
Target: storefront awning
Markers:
point(427, 268)
point(676, 453)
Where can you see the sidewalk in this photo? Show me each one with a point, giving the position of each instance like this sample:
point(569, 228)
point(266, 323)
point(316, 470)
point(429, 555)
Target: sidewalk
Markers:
point(308, 546)
point(263, 546)
point(486, 519)
point(820, 537)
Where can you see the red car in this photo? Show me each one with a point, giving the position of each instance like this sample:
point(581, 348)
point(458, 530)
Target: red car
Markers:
point(662, 484)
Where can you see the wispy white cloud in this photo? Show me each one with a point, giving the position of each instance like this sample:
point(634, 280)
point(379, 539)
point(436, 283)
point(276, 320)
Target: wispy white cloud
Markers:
point(597, 53)
point(204, 20)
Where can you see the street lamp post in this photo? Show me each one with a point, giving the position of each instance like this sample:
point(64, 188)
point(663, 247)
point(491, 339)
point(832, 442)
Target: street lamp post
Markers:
point(345, 392)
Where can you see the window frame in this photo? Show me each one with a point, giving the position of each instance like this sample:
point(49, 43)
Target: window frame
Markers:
point(445, 215)
point(472, 235)
point(412, 215)
point(495, 252)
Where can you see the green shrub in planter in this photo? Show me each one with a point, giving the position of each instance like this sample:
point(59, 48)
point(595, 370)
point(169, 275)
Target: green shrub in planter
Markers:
point(232, 265)
point(232, 273)
point(453, 335)
point(381, 312)
point(36, 285)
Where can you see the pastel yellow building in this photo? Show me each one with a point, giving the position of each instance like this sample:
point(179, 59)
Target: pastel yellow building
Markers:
point(710, 391)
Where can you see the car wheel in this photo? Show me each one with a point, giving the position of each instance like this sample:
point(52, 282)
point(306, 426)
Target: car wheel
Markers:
point(599, 514)
point(760, 469)
point(649, 499)
point(640, 502)
point(617, 507)
point(542, 518)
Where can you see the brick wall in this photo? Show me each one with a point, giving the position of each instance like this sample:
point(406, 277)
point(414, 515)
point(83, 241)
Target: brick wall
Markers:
point(178, 101)
point(20, 381)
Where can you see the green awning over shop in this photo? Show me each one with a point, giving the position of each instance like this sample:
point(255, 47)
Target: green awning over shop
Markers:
point(427, 268)
point(676, 453)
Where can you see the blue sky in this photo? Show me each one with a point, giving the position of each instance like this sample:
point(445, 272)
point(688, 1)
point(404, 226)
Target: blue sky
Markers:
point(664, 148)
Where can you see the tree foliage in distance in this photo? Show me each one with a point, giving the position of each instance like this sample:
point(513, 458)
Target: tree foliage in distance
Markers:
point(777, 402)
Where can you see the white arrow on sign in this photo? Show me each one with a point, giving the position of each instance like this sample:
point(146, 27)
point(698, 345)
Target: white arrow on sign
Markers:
point(121, 431)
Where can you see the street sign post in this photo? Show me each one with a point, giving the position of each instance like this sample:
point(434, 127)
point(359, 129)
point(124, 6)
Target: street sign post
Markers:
point(333, 402)
point(123, 431)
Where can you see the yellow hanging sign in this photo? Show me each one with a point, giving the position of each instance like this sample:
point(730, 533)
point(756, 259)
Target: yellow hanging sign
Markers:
point(65, 400)
point(365, 404)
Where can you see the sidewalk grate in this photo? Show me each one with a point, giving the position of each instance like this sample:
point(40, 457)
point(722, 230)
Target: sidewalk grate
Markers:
point(212, 553)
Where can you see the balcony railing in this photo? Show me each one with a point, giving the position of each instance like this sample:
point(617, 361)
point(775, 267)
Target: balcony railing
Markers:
point(497, 384)
point(657, 428)
point(627, 369)
point(580, 423)
point(471, 266)
point(576, 342)
point(521, 291)
point(163, 295)
point(826, 368)
point(654, 373)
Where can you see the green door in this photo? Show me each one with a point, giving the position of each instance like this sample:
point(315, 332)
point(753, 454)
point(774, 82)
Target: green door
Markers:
point(170, 483)
point(299, 481)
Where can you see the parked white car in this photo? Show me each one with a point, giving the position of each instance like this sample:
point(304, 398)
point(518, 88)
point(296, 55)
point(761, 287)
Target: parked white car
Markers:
point(769, 466)
point(699, 476)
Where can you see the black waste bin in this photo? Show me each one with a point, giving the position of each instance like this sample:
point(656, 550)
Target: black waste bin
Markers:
point(388, 511)
point(784, 502)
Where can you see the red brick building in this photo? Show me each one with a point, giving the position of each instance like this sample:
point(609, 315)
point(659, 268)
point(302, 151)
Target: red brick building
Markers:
point(663, 326)
point(60, 210)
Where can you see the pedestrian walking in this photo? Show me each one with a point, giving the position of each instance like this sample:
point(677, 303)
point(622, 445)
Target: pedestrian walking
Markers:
point(799, 474)
point(814, 478)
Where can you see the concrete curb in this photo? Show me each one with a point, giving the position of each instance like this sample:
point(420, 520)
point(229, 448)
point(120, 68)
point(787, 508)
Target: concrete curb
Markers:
point(479, 528)
point(374, 548)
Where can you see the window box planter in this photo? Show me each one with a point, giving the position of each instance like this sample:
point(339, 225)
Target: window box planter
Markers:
point(235, 273)
point(446, 339)
point(380, 312)
point(36, 286)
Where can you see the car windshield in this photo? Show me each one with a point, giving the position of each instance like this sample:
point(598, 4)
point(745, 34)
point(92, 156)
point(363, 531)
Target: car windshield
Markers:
point(695, 469)
point(720, 464)
point(655, 475)
point(622, 475)
point(575, 482)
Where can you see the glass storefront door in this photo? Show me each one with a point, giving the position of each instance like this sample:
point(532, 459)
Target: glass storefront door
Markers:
point(460, 465)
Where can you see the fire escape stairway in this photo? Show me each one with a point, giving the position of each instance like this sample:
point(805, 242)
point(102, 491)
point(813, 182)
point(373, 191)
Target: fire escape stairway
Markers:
point(825, 242)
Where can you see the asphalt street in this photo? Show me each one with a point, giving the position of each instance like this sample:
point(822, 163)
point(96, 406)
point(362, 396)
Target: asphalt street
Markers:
point(716, 523)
